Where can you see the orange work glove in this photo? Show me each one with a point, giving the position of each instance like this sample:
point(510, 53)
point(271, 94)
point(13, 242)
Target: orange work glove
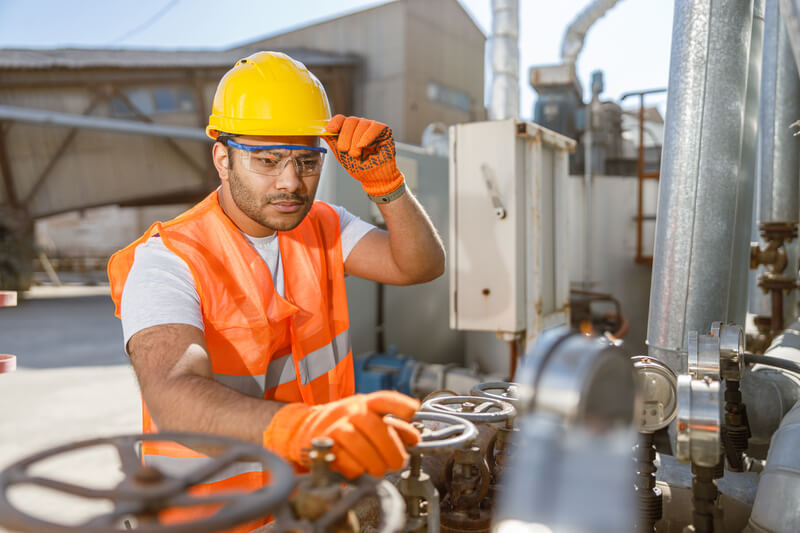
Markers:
point(365, 149)
point(364, 439)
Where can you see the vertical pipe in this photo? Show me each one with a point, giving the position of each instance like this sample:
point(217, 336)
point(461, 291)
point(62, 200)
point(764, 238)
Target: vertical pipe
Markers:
point(699, 188)
point(778, 162)
point(780, 106)
point(504, 48)
point(745, 215)
point(587, 197)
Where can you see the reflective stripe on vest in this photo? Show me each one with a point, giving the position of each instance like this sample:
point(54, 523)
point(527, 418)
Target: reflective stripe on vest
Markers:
point(321, 361)
point(279, 371)
point(183, 466)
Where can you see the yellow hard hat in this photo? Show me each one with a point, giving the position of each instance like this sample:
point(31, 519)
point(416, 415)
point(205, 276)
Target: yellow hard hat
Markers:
point(269, 93)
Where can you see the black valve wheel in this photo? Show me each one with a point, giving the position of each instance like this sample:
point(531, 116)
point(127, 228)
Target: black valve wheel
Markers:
point(442, 432)
point(147, 490)
point(506, 391)
point(476, 409)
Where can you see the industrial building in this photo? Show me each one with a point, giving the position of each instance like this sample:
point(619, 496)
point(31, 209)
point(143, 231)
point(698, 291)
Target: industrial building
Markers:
point(614, 345)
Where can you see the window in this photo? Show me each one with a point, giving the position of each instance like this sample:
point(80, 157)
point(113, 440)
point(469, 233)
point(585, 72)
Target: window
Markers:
point(152, 101)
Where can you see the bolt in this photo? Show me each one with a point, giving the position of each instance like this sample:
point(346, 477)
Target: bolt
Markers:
point(322, 444)
point(468, 407)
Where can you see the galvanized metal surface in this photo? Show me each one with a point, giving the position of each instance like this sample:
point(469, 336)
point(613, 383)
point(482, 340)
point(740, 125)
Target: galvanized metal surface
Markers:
point(777, 162)
point(747, 205)
point(780, 106)
point(695, 232)
point(572, 43)
point(790, 10)
point(775, 508)
point(504, 50)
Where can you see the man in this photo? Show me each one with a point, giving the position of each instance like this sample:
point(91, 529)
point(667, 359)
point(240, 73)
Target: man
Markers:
point(234, 313)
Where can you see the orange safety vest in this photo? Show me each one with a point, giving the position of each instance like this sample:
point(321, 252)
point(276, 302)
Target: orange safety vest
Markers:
point(246, 321)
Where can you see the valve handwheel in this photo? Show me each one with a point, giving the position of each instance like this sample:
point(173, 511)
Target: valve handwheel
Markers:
point(476, 409)
point(146, 490)
point(498, 390)
point(454, 433)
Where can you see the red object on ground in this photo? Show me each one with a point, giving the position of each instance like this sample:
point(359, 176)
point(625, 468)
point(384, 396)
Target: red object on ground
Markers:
point(8, 298)
point(8, 363)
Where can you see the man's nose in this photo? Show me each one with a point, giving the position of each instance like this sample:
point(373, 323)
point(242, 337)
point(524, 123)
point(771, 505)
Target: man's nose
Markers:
point(288, 179)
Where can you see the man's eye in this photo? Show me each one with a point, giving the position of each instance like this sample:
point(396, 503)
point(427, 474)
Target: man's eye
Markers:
point(268, 160)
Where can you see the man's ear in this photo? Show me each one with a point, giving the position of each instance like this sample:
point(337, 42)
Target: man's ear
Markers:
point(219, 154)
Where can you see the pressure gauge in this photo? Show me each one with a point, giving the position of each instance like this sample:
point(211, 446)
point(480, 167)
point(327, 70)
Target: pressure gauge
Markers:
point(659, 389)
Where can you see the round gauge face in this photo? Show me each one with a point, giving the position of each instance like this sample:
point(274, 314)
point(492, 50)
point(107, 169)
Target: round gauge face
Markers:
point(658, 386)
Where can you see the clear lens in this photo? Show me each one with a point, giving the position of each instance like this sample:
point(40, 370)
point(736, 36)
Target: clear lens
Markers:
point(272, 162)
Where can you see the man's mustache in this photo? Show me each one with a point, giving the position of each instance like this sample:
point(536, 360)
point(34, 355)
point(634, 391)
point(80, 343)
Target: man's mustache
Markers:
point(285, 197)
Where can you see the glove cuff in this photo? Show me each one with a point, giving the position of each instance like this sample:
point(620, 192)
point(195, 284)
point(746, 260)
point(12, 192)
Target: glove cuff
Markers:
point(381, 181)
point(280, 433)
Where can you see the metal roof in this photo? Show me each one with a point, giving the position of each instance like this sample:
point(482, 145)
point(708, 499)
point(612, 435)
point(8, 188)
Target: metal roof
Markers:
point(79, 58)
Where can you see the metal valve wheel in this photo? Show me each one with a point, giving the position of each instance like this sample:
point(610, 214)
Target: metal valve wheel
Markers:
point(506, 391)
point(443, 432)
point(146, 490)
point(475, 409)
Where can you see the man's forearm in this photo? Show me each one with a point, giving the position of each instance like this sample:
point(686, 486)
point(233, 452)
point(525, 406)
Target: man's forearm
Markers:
point(416, 248)
point(199, 404)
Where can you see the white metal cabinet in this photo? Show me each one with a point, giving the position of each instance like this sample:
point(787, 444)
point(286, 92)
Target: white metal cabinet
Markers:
point(508, 228)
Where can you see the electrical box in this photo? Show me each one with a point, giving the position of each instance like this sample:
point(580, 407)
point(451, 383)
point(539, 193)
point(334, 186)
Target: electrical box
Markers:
point(509, 218)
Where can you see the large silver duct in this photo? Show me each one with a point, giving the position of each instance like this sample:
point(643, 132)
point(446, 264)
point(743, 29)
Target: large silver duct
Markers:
point(700, 180)
point(572, 44)
point(504, 48)
point(778, 166)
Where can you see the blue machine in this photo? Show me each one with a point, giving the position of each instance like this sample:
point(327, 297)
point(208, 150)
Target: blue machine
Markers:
point(384, 371)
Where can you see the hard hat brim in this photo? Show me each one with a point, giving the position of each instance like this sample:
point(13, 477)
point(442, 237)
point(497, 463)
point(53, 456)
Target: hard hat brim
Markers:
point(213, 131)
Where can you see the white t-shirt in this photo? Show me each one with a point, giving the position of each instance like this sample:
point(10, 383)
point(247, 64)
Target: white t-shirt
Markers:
point(160, 288)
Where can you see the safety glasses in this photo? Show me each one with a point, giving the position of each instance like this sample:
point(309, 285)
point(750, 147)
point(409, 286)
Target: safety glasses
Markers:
point(270, 160)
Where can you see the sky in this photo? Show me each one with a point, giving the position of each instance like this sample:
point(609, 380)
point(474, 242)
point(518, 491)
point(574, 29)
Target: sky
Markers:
point(630, 44)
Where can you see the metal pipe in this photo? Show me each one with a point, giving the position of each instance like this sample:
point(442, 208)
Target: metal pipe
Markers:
point(775, 507)
point(790, 13)
point(780, 106)
point(504, 46)
point(587, 197)
point(778, 161)
point(741, 277)
point(699, 186)
point(572, 43)
point(42, 116)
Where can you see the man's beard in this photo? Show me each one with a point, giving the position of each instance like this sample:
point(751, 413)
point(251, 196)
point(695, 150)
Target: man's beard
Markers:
point(257, 208)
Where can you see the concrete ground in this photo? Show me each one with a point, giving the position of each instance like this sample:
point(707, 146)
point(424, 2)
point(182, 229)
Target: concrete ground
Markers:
point(73, 382)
